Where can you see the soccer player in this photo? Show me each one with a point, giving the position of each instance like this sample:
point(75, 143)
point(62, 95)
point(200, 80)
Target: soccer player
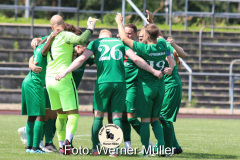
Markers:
point(131, 77)
point(63, 94)
point(110, 88)
point(78, 73)
point(33, 100)
point(173, 94)
point(150, 90)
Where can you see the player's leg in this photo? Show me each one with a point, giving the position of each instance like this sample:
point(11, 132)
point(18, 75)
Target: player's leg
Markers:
point(145, 134)
point(53, 88)
point(101, 96)
point(38, 133)
point(126, 128)
point(61, 122)
point(50, 131)
point(144, 110)
point(29, 131)
point(117, 103)
point(178, 149)
point(47, 112)
point(69, 101)
point(170, 107)
point(22, 130)
point(97, 125)
point(156, 126)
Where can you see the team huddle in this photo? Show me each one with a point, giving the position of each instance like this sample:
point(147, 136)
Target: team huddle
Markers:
point(135, 79)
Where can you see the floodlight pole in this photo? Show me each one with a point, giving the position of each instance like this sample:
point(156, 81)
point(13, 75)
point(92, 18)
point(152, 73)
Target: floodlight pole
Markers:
point(78, 8)
point(123, 11)
point(32, 26)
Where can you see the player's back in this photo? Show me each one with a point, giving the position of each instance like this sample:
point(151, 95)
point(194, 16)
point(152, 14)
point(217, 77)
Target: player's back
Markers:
point(109, 53)
point(60, 56)
point(154, 55)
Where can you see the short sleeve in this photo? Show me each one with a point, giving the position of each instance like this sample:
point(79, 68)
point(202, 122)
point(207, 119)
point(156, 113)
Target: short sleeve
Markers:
point(162, 43)
point(44, 37)
point(90, 46)
point(139, 47)
point(126, 48)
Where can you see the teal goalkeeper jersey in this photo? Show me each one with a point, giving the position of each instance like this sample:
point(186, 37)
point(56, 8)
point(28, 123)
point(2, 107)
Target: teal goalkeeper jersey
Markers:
point(154, 55)
point(109, 54)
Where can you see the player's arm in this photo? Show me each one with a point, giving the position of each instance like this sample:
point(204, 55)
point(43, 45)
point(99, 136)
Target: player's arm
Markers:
point(141, 63)
point(177, 48)
point(75, 64)
point(149, 17)
point(33, 66)
point(121, 31)
point(85, 36)
point(49, 42)
point(35, 42)
point(168, 70)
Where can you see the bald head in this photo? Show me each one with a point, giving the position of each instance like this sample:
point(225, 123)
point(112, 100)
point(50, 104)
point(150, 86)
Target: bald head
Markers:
point(105, 34)
point(57, 22)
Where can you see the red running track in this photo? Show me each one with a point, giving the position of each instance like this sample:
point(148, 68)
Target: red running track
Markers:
point(202, 116)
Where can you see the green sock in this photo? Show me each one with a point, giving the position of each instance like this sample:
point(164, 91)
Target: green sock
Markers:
point(54, 128)
point(29, 131)
point(175, 142)
point(71, 127)
point(126, 129)
point(44, 129)
point(136, 124)
point(38, 132)
point(97, 125)
point(48, 131)
point(145, 135)
point(158, 132)
point(61, 126)
point(168, 134)
point(118, 121)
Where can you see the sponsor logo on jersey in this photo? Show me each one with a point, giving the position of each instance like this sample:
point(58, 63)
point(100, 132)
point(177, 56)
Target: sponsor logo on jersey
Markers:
point(157, 54)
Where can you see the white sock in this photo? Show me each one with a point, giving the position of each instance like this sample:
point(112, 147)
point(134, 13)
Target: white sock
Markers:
point(41, 144)
point(150, 144)
point(128, 144)
point(60, 144)
point(69, 136)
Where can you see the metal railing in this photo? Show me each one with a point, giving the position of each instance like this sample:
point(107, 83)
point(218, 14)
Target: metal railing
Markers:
point(168, 14)
point(232, 79)
point(189, 80)
point(212, 44)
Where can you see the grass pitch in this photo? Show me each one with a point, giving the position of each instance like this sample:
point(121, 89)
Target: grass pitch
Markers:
point(199, 139)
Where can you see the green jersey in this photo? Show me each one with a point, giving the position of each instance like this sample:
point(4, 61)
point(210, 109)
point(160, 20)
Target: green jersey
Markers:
point(154, 55)
point(131, 72)
point(39, 78)
point(109, 54)
point(61, 51)
point(173, 79)
point(78, 73)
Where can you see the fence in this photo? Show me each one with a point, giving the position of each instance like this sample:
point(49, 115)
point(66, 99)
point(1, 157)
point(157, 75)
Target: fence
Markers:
point(168, 15)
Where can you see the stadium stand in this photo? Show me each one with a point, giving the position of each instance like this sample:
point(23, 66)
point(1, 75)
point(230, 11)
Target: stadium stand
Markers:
point(208, 91)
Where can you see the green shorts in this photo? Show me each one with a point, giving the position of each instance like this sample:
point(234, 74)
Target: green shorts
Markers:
point(149, 101)
point(171, 103)
point(109, 96)
point(48, 104)
point(62, 94)
point(33, 99)
point(130, 102)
